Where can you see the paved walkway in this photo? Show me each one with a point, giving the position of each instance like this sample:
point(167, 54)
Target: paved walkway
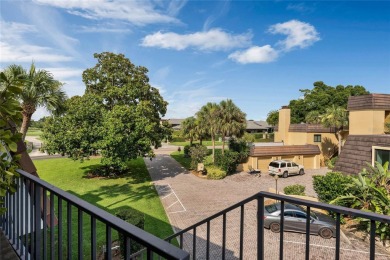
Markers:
point(188, 199)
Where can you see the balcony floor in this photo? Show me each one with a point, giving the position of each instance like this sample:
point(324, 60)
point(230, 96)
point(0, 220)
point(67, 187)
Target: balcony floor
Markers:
point(6, 251)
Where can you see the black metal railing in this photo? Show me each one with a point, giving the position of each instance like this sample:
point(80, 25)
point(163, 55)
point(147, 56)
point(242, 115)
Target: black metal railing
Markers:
point(45, 222)
point(247, 233)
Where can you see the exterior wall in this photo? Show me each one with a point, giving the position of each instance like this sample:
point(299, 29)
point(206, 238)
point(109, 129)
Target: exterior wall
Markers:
point(366, 122)
point(283, 126)
point(262, 162)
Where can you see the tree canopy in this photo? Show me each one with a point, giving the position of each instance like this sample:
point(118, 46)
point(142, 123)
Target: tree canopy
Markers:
point(118, 116)
point(10, 113)
point(320, 98)
point(38, 88)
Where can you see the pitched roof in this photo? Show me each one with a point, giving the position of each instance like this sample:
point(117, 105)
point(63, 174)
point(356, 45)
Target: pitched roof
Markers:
point(357, 152)
point(175, 121)
point(308, 149)
point(261, 125)
point(371, 101)
point(310, 128)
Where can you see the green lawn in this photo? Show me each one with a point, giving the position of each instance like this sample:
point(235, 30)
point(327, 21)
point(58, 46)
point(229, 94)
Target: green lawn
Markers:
point(184, 161)
point(133, 190)
point(32, 131)
point(206, 143)
point(212, 170)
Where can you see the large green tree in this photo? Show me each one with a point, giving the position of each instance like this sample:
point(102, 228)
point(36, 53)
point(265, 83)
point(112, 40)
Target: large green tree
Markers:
point(320, 98)
point(118, 116)
point(208, 120)
point(39, 88)
point(10, 113)
point(232, 121)
point(273, 117)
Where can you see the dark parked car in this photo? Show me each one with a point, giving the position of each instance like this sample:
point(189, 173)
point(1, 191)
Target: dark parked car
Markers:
point(295, 220)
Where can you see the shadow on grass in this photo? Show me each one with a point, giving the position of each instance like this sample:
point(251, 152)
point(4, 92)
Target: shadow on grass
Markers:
point(135, 174)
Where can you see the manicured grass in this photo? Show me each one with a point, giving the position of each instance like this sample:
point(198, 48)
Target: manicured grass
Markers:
point(206, 143)
point(113, 194)
point(184, 161)
point(213, 171)
point(32, 131)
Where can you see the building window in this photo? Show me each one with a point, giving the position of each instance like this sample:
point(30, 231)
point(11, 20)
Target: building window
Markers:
point(317, 138)
point(381, 155)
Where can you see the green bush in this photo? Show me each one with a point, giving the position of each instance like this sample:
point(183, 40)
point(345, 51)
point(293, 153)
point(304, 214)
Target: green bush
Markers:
point(296, 189)
point(228, 161)
point(186, 150)
point(332, 185)
point(241, 147)
point(197, 153)
point(215, 173)
point(135, 218)
point(331, 162)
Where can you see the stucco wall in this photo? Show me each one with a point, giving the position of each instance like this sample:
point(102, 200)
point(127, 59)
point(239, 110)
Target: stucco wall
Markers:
point(366, 122)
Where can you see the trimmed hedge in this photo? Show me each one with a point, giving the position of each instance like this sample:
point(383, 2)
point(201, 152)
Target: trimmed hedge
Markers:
point(295, 189)
point(135, 218)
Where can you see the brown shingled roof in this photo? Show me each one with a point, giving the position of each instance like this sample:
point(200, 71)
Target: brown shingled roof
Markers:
point(310, 128)
point(371, 101)
point(308, 149)
point(357, 152)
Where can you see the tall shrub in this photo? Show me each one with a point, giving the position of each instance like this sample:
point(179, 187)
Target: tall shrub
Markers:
point(197, 153)
point(228, 161)
point(332, 185)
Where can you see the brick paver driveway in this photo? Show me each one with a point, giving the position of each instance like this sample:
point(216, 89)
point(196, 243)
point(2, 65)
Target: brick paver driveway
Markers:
point(188, 199)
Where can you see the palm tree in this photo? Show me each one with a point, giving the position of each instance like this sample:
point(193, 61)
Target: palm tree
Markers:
point(208, 118)
point(189, 129)
point(39, 89)
point(232, 121)
point(313, 117)
point(335, 117)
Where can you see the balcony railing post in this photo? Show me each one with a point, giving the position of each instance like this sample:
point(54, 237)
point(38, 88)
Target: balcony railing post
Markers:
point(372, 239)
point(281, 230)
point(37, 228)
point(260, 227)
point(307, 233)
point(337, 256)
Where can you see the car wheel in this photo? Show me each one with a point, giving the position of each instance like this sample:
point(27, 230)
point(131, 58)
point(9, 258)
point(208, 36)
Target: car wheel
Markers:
point(275, 227)
point(285, 174)
point(301, 172)
point(325, 233)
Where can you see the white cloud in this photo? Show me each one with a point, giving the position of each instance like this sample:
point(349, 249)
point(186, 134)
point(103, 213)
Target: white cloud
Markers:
point(13, 48)
point(64, 73)
point(135, 12)
point(255, 54)
point(299, 34)
point(213, 39)
point(300, 7)
point(102, 29)
point(27, 53)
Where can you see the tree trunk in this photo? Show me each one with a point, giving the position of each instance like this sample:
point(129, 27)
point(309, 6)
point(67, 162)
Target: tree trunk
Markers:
point(223, 144)
point(213, 140)
point(340, 141)
point(190, 141)
point(200, 140)
point(25, 124)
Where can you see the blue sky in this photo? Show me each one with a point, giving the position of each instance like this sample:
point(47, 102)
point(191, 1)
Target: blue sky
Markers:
point(257, 53)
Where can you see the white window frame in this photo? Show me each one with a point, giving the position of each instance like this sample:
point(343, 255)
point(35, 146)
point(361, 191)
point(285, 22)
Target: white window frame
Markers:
point(373, 152)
